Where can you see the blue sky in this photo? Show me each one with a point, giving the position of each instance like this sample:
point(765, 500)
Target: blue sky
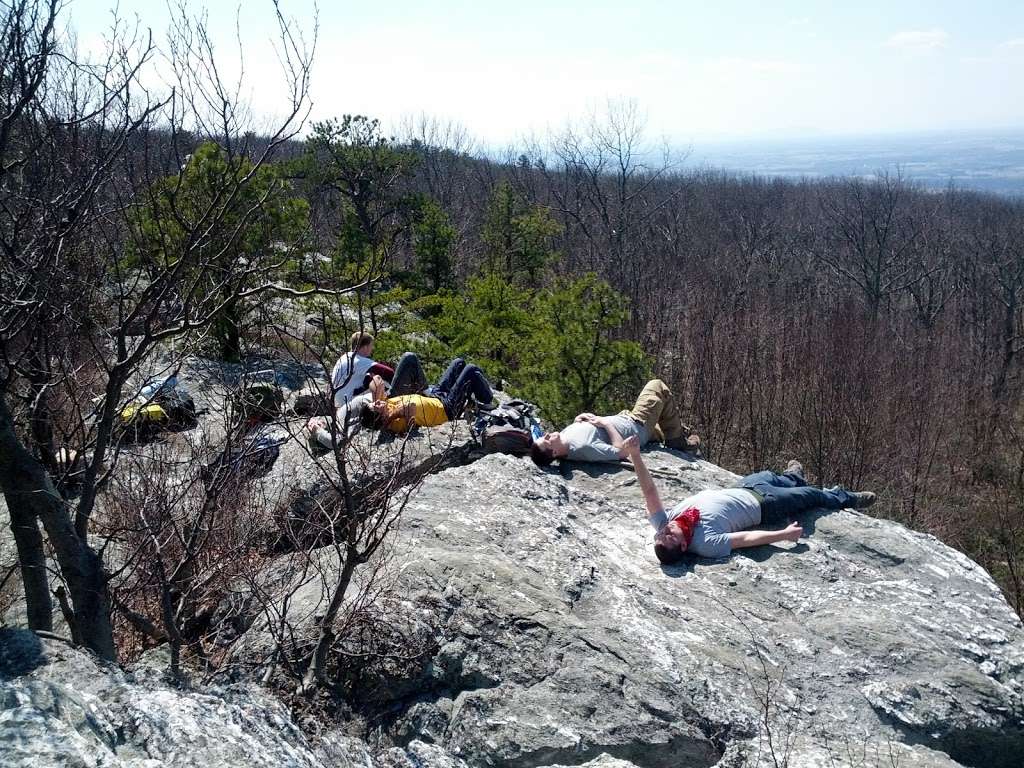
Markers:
point(699, 71)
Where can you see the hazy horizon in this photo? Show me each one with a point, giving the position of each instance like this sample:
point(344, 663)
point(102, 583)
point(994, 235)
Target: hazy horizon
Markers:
point(740, 86)
point(737, 70)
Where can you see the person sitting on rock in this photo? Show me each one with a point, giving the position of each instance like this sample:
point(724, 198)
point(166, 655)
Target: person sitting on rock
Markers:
point(713, 523)
point(407, 378)
point(430, 406)
point(654, 416)
point(354, 370)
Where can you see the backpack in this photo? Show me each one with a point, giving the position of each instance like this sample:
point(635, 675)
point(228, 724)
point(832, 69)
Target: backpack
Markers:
point(259, 397)
point(502, 438)
point(507, 428)
point(134, 413)
point(252, 459)
point(142, 422)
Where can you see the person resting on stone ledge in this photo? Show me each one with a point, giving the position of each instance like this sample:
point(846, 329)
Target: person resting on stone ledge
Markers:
point(407, 378)
point(655, 416)
point(430, 406)
point(714, 522)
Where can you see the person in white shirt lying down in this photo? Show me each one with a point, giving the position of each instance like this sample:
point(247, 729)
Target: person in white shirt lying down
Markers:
point(713, 523)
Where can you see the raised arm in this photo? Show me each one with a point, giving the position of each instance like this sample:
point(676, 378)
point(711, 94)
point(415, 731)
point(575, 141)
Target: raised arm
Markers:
point(652, 500)
point(377, 389)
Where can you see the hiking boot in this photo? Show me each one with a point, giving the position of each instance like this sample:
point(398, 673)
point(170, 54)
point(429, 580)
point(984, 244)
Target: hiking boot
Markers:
point(796, 469)
point(689, 444)
point(863, 499)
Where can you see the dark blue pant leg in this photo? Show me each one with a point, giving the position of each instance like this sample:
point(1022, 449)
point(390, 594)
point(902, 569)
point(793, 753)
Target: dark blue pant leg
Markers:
point(781, 503)
point(470, 382)
point(450, 377)
point(409, 378)
point(771, 479)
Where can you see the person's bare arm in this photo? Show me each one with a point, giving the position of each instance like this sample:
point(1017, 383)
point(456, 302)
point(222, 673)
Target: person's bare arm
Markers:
point(613, 434)
point(652, 499)
point(377, 388)
point(742, 539)
point(608, 426)
point(409, 412)
point(406, 413)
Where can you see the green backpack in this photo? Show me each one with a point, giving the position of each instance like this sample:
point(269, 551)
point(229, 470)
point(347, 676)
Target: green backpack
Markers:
point(259, 397)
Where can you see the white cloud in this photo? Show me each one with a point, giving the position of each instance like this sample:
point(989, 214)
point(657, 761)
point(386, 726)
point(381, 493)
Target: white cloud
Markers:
point(919, 40)
point(1016, 44)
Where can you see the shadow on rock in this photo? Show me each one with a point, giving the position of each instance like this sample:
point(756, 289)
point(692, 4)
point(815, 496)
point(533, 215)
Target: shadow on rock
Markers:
point(21, 651)
point(762, 554)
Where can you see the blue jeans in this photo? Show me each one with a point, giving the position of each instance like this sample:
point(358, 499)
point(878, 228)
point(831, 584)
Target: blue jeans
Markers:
point(786, 496)
point(409, 378)
point(457, 384)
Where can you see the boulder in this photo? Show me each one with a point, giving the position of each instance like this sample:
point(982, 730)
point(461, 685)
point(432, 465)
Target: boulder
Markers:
point(555, 638)
point(61, 707)
point(561, 640)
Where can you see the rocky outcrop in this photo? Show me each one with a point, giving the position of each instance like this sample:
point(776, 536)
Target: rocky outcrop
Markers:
point(60, 707)
point(559, 640)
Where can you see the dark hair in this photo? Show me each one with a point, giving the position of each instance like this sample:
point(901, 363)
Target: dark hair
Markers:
point(667, 555)
point(370, 419)
point(541, 456)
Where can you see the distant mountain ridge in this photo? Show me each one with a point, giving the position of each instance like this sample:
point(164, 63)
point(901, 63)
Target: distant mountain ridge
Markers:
point(983, 161)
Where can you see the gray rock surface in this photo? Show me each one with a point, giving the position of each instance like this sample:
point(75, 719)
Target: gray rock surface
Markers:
point(563, 640)
point(59, 707)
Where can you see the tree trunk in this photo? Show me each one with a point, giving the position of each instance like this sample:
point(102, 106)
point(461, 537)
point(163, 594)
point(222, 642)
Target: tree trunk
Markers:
point(29, 490)
point(317, 670)
point(32, 562)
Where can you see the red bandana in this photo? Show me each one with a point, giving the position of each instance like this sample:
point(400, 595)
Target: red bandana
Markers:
point(688, 520)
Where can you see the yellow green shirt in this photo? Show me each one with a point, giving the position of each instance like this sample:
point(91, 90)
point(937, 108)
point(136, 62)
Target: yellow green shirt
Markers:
point(429, 412)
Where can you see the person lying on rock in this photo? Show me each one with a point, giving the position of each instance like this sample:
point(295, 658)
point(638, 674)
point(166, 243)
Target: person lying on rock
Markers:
point(407, 378)
point(654, 416)
point(355, 369)
point(713, 523)
point(431, 406)
point(347, 419)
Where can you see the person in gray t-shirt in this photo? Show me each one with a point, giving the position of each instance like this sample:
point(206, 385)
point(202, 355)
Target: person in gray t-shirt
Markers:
point(598, 438)
point(713, 523)
point(654, 416)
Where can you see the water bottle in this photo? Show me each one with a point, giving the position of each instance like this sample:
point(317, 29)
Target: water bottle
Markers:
point(536, 431)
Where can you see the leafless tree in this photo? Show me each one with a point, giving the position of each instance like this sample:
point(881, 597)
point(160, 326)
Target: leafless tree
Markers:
point(83, 144)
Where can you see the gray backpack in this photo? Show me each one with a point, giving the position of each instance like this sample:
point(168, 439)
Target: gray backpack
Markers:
point(505, 429)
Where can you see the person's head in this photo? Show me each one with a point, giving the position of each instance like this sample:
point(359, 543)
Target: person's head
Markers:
point(362, 343)
point(541, 456)
point(547, 448)
point(372, 415)
point(670, 544)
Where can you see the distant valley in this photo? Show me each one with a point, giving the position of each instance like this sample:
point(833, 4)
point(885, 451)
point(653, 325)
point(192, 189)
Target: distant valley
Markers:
point(989, 162)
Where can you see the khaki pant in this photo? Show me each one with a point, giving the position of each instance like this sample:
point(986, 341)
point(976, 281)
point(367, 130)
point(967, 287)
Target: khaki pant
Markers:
point(656, 409)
